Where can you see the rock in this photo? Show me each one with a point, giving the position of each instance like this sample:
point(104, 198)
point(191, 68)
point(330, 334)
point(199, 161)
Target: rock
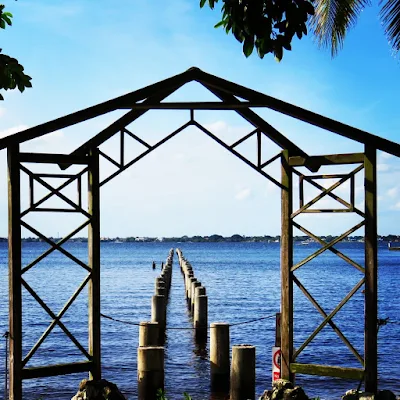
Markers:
point(98, 390)
point(284, 390)
point(266, 395)
point(351, 395)
point(282, 384)
point(366, 396)
point(295, 394)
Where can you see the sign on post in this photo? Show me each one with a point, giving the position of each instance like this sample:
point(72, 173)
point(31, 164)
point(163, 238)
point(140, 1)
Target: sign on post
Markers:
point(276, 363)
point(276, 350)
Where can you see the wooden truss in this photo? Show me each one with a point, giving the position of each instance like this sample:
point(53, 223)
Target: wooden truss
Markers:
point(232, 97)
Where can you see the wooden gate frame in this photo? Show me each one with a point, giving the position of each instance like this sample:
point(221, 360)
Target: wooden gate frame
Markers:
point(18, 371)
point(366, 161)
point(232, 97)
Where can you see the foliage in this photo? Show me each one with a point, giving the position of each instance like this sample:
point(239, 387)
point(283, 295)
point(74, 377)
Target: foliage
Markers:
point(267, 25)
point(270, 25)
point(11, 71)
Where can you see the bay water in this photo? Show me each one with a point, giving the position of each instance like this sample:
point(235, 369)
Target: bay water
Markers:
point(243, 284)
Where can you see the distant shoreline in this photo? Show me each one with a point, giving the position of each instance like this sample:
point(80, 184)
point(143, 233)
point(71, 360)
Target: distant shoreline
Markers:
point(214, 239)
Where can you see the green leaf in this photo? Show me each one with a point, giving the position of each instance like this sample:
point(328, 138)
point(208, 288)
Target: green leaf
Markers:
point(202, 2)
point(220, 23)
point(278, 53)
point(248, 46)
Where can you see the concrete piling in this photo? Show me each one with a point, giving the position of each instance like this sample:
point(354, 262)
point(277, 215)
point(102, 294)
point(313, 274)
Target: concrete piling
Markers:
point(194, 285)
point(150, 371)
point(219, 357)
point(158, 314)
point(243, 372)
point(148, 334)
point(200, 318)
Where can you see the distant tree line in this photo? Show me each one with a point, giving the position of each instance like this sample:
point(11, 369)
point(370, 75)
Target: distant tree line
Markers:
point(214, 239)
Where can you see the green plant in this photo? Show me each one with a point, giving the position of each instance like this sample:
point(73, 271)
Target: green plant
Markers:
point(12, 74)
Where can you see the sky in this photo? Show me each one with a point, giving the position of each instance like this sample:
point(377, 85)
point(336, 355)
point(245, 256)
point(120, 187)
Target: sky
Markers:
point(80, 53)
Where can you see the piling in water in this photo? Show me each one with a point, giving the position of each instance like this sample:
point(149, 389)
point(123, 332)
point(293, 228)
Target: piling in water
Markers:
point(195, 284)
point(148, 334)
point(200, 319)
point(150, 372)
point(243, 372)
point(159, 314)
point(219, 357)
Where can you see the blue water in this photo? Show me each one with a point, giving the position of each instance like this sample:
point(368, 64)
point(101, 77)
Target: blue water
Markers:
point(243, 283)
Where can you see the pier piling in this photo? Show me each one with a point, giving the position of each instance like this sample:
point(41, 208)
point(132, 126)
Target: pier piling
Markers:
point(150, 372)
point(219, 357)
point(243, 372)
point(148, 334)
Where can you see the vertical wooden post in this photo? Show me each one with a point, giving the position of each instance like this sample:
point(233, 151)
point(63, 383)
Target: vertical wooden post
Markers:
point(14, 268)
point(286, 265)
point(94, 263)
point(371, 272)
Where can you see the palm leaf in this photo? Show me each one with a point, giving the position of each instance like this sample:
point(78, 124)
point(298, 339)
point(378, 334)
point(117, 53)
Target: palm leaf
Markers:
point(332, 20)
point(390, 16)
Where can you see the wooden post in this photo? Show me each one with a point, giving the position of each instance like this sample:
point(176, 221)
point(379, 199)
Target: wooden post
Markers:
point(14, 268)
point(243, 372)
point(200, 318)
point(195, 285)
point(161, 291)
point(148, 334)
point(286, 265)
point(371, 272)
point(219, 357)
point(94, 264)
point(150, 372)
point(158, 311)
point(189, 291)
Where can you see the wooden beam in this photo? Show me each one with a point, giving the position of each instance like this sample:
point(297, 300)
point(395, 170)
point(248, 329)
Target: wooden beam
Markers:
point(286, 267)
point(100, 109)
point(94, 264)
point(371, 272)
point(194, 105)
point(331, 159)
point(59, 369)
point(46, 158)
point(14, 273)
point(300, 113)
point(327, 370)
point(250, 116)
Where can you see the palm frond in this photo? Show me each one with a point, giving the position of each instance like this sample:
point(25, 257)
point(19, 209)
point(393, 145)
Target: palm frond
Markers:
point(332, 20)
point(390, 16)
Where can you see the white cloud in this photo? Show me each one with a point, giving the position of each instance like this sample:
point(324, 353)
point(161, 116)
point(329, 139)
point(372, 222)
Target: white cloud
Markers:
point(12, 130)
point(2, 111)
point(392, 192)
point(243, 194)
point(382, 167)
point(396, 206)
point(385, 156)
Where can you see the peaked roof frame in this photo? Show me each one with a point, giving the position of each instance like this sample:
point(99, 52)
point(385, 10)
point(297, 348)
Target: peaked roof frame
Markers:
point(233, 97)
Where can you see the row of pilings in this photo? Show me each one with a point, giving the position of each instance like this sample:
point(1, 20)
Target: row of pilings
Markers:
point(236, 378)
point(152, 337)
point(196, 298)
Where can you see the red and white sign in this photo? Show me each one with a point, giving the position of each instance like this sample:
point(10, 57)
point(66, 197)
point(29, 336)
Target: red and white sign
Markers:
point(276, 363)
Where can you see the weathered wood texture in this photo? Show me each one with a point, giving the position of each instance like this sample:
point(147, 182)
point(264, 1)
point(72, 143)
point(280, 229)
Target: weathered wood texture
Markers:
point(371, 272)
point(14, 267)
point(327, 370)
point(94, 264)
point(286, 268)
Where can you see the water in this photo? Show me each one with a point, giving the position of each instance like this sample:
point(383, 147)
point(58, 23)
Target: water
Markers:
point(243, 283)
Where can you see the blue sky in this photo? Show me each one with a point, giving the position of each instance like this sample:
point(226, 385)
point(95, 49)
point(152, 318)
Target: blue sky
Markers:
point(82, 52)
